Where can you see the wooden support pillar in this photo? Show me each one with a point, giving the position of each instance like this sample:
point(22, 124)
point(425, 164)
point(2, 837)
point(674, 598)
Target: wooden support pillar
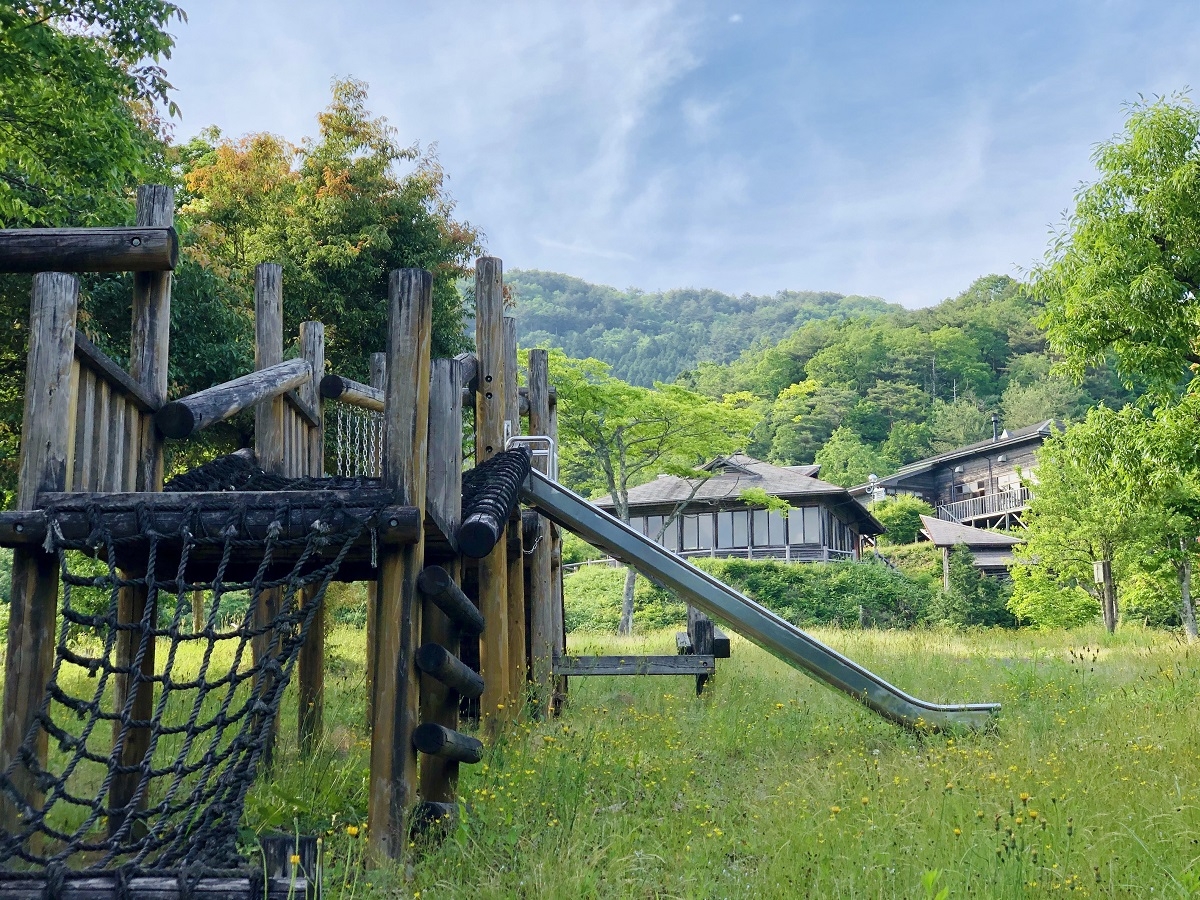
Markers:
point(268, 442)
point(378, 380)
point(489, 440)
point(45, 430)
point(443, 491)
point(149, 351)
point(393, 784)
point(541, 595)
point(311, 664)
point(556, 607)
point(517, 673)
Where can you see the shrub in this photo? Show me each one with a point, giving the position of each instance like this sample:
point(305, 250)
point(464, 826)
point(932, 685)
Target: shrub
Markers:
point(921, 562)
point(901, 516)
point(592, 597)
point(836, 593)
point(1151, 598)
point(974, 598)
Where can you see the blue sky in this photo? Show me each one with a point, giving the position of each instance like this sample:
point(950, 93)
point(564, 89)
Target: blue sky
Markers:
point(897, 148)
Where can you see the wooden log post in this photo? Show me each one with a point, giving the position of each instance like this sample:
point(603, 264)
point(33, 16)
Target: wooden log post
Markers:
point(149, 350)
point(378, 382)
point(700, 630)
point(268, 447)
point(489, 440)
point(311, 687)
point(518, 675)
point(556, 584)
point(393, 784)
point(184, 417)
point(541, 613)
point(443, 492)
point(45, 430)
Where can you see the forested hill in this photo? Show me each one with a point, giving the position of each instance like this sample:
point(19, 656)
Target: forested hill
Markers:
point(648, 337)
point(867, 395)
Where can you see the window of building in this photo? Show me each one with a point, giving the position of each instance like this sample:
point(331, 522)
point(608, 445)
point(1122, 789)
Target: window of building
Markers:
point(776, 529)
point(638, 524)
point(804, 525)
point(705, 532)
point(671, 537)
point(758, 523)
point(733, 527)
point(653, 526)
point(690, 533)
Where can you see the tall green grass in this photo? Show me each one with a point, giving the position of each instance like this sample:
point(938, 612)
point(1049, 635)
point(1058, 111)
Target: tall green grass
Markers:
point(771, 785)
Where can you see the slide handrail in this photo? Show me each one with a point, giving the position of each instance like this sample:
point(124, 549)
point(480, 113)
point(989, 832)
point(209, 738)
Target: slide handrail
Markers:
point(755, 622)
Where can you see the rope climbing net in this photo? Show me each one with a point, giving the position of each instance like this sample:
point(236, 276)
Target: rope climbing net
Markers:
point(177, 803)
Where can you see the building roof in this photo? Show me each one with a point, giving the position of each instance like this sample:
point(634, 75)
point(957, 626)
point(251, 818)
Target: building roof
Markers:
point(950, 534)
point(739, 472)
point(1007, 438)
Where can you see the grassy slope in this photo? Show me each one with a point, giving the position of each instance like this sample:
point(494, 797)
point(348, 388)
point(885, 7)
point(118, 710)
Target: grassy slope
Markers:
point(773, 786)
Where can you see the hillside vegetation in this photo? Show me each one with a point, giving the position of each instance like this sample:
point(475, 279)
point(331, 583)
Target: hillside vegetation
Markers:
point(871, 393)
point(648, 337)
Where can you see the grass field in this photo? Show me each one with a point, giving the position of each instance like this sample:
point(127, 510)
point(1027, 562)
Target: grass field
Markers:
point(773, 786)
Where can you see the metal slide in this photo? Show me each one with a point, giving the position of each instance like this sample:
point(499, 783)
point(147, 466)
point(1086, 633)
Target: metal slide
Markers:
point(745, 616)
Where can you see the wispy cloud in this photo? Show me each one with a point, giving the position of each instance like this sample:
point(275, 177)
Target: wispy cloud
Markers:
point(901, 153)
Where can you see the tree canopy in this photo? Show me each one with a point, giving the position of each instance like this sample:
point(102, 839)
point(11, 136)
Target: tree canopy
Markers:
point(1123, 274)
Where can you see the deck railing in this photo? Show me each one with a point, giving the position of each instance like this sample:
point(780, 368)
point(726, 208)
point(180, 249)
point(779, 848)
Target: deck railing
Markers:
point(988, 505)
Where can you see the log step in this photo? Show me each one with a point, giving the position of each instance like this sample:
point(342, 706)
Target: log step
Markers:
point(437, 740)
point(435, 583)
point(438, 662)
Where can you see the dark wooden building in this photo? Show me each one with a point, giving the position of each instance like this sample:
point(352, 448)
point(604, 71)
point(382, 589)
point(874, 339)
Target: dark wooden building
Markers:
point(823, 523)
point(976, 485)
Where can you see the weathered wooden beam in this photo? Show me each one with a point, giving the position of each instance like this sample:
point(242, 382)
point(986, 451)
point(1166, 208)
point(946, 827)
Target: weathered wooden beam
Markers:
point(438, 662)
point(447, 678)
point(354, 393)
point(306, 411)
point(437, 740)
point(311, 664)
point(378, 375)
point(721, 648)
point(541, 597)
point(123, 514)
point(137, 249)
point(468, 365)
point(184, 417)
point(149, 350)
point(436, 584)
point(97, 360)
point(150, 887)
point(683, 643)
point(489, 440)
point(518, 674)
point(394, 770)
point(45, 429)
point(692, 664)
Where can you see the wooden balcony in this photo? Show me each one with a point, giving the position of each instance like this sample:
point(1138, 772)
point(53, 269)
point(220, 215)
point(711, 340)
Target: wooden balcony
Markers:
point(990, 507)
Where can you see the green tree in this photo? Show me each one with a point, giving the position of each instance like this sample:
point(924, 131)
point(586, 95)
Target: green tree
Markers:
point(1123, 274)
point(339, 214)
point(901, 516)
point(1156, 458)
point(78, 89)
point(615, 435)
point(847, 460)
point(1078, 516)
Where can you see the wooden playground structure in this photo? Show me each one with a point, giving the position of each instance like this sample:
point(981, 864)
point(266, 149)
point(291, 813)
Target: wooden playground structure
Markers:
point(93, 439)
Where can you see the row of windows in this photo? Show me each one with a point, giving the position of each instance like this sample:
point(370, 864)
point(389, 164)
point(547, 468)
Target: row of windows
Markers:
point(734, 529)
